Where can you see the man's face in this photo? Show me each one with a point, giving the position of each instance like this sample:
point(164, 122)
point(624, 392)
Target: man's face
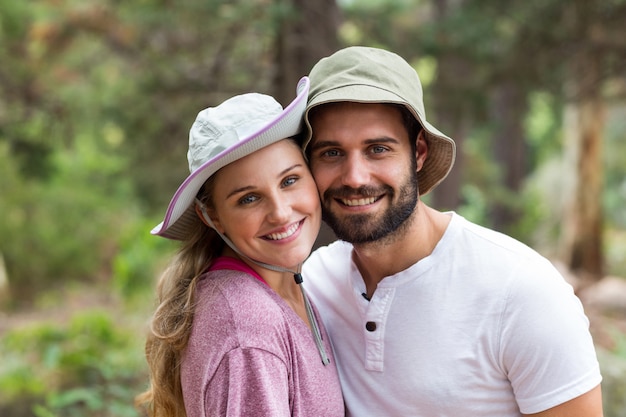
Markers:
point(365, 169)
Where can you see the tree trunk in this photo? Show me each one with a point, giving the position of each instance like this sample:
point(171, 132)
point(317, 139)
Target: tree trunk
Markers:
point(584, 118)
point(4, 283)
point(450, 113)
point(452, 120)
point(508, 106)
point(307, 33)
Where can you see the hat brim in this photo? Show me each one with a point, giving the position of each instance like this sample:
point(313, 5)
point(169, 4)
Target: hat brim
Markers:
point(441, 148)
point(180, 214)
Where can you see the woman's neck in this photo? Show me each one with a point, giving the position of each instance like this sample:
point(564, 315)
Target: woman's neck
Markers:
point(283, 284)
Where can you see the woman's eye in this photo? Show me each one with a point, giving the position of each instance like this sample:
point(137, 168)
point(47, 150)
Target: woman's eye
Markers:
point(248, 199)
point(290, 181)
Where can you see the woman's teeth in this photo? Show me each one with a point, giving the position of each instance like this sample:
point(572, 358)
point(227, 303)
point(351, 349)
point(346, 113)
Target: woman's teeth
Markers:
point(290, 231)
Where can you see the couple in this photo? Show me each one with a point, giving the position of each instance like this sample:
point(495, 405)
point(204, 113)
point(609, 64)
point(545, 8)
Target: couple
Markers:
point(428, 314)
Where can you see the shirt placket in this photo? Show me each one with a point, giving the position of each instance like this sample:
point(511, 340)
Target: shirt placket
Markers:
point(374, 328)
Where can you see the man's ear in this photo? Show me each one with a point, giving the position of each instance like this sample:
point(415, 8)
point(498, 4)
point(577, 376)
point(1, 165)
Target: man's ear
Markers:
point(421, 149)
point(205, 213)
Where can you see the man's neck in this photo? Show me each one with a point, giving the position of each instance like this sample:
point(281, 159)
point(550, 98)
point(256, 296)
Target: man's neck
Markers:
point(397, 252)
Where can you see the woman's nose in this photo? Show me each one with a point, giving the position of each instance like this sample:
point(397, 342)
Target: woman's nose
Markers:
point(280, 209)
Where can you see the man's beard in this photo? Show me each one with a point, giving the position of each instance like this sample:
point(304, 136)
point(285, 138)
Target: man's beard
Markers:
point(367, 228)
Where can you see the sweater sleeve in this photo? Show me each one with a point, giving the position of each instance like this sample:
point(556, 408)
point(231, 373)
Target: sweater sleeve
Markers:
point(249, 382)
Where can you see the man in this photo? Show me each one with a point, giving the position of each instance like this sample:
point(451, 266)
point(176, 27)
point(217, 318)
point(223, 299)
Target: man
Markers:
point(429, 314)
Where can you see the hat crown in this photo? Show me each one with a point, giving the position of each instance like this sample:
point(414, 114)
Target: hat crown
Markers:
point(219, 128)
point(369, 67)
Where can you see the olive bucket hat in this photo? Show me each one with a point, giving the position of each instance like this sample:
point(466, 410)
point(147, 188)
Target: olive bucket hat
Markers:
point(370, 75)
point(221, 135)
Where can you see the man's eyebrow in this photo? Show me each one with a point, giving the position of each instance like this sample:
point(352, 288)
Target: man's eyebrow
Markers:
point(324, 144)
point(382, 139)
point(373, 141)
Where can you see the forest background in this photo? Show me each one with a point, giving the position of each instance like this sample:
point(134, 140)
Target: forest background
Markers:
point(96, 99)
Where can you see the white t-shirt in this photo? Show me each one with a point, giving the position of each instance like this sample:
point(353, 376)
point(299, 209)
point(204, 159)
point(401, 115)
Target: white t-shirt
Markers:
point(484, 326)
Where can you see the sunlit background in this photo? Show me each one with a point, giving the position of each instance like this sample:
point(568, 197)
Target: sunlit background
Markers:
point(97, 96)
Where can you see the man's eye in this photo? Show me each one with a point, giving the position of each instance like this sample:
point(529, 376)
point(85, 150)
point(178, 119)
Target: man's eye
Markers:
point(331, 153)
point(378, 149)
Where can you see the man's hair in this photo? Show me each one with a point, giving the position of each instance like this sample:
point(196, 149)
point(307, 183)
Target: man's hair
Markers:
point(411, 124)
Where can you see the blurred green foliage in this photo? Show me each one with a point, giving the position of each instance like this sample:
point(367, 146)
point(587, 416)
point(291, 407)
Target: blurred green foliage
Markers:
point(66, 227)
point(613, 366)
point(96, 98)
point(139, 256)
point(52, 370)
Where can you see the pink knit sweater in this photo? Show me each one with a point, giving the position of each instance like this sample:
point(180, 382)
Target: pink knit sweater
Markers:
point(250, 354)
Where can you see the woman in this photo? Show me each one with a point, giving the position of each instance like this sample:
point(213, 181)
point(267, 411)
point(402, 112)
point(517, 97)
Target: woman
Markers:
point(234, 333)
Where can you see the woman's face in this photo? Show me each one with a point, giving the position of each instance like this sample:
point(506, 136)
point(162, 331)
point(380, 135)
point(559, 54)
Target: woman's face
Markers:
point(267, 204)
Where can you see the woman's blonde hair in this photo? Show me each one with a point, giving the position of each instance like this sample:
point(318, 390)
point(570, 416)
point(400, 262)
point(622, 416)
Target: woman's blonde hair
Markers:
point(172, 321)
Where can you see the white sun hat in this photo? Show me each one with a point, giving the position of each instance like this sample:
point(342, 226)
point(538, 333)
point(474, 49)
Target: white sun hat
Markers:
point(220, 135)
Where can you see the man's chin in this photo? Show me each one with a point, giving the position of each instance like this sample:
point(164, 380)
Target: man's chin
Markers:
point(358, 229)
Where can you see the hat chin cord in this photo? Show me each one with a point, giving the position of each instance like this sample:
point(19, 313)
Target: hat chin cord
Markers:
point(296, 275)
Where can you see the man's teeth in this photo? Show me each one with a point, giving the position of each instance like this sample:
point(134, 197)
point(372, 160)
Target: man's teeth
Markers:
point(290, 231)
point(359, 202)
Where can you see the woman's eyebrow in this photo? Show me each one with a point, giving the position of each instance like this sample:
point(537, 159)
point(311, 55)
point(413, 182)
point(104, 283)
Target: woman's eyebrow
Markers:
point(250, 187)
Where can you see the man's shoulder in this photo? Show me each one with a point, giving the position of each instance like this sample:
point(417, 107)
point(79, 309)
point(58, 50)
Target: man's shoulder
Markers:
point(328, 261)
point(332, 250)
point(491, 237)
point(499, 250)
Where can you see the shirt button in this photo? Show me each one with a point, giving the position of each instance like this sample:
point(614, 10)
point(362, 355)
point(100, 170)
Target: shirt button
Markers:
point(370, 326)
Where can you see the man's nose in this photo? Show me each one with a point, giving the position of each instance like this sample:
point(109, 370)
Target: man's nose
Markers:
point(355, 172)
